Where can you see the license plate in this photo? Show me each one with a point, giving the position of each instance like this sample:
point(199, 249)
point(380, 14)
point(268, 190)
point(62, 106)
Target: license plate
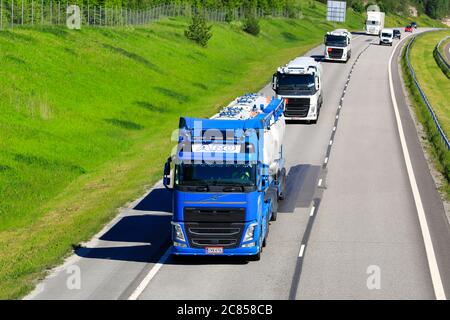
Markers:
point(214, 250)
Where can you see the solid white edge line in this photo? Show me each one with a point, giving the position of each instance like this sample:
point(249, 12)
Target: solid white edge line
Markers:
point(431, 257)
point(144, 283)
point(302, 249)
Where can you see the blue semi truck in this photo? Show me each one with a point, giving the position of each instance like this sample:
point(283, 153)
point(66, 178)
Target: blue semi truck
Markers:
point(227, 176)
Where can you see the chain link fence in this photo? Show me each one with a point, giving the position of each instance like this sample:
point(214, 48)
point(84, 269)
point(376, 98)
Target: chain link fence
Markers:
point(16, 13)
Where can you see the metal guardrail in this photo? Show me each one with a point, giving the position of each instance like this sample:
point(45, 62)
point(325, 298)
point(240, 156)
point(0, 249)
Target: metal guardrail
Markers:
point(424, 97)
point(440, 59)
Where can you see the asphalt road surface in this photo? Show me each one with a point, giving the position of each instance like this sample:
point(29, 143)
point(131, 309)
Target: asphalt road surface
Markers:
point(350, 227)
point(447, 52)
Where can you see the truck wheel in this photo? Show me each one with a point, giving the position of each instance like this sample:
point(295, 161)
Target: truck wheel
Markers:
point(264, 243)
point(274, 216)
point(255, 257)
point(282, 194)
point(274, 211)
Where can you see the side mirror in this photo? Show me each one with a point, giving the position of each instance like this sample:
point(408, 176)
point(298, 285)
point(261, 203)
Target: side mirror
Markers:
point(166, 177)
point(265, 182)
point(275, 82)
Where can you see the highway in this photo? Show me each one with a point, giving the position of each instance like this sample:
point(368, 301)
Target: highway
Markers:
point(357, 183)
point(447, 52)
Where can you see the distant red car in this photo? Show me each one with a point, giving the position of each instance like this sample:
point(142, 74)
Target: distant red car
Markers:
point(408, 28)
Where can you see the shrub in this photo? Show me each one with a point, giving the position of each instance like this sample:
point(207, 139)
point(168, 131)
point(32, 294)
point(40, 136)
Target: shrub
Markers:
point(358, 6)
point(199, 31)
point(251, 25)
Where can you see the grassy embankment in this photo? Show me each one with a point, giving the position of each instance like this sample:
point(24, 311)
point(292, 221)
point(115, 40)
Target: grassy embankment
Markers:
point(437, 89)
point(86, 119)
point(422, 21)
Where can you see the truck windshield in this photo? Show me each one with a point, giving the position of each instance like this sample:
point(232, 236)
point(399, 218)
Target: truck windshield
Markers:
point(215, 174)
point(335, 41)
point(386, 35)
point(296, 84)
point(373, 22)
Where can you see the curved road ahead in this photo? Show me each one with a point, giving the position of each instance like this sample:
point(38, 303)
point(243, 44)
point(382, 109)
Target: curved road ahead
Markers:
point(447, 52)
point(350, 228)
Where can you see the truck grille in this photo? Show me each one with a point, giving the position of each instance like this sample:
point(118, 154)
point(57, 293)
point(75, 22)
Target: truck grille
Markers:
point(336, 53)
point(204, 234)
point(297, 107)
point(214, 214)
point(209, 227)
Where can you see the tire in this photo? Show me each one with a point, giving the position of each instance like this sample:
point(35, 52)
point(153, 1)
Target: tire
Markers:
point(264, 243)
point(282, 195)
point(274, 212)
point(255, 257)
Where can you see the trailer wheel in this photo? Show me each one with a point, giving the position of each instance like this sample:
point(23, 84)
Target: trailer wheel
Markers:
point(274, 211)
point(282, 194)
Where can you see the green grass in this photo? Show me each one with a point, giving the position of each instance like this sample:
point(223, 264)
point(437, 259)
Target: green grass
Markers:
point(86, 119)
point(437, 89)
point(393, 20)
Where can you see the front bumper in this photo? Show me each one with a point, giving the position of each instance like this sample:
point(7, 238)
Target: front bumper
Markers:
point(307, 118)
point(187, 245)
point(226, 252)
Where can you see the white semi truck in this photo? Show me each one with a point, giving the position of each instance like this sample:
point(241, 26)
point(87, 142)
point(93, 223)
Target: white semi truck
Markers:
point(299, 83)
point(374, 22)
point(338, 45)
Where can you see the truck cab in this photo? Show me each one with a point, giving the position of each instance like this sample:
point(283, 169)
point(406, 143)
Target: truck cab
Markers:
point(338, 45)
point(374, 22)
point(227, 178)
point(299, 83)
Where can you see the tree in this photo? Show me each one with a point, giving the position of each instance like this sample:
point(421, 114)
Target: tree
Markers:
point(199, 31)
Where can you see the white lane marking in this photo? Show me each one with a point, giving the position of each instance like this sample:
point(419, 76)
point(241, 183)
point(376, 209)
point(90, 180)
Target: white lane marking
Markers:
point(326, 160)
point(334, 128)
point(337, 117)
point(431, 257)
point(320, 183)
point(144, 283)
point(312, 211)
point(331, 142)
point(302, 249)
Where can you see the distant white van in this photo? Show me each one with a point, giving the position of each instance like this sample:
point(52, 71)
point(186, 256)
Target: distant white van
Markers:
point(386, 37)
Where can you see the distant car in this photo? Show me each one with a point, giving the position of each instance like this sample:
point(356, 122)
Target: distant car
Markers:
point(408, 28)
point(397, 34)
point(414, 25)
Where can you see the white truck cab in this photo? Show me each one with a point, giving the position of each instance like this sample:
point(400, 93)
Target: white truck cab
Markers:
point(338, 45)
point(386, 37)
point(299, 83)
point(374, 22)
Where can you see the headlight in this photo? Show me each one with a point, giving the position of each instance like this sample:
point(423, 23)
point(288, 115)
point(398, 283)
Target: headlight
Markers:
point(250, 232)
point(178, 232)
